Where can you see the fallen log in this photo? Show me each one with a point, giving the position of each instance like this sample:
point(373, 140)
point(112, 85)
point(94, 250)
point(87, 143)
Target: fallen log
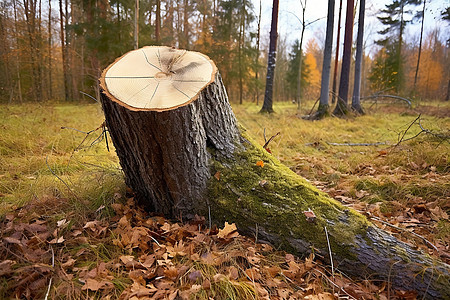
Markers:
point(183, 153)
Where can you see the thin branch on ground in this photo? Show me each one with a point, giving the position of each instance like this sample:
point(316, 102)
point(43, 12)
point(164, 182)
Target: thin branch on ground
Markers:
point(388, 96)
point(405, 230)
point(51, 278)
point(329, 251)
point(312, 109)
point(441, 136)
point(357, 144)
point(438, 135)
point(271, 138)
point(86, 94)
point(404, 132)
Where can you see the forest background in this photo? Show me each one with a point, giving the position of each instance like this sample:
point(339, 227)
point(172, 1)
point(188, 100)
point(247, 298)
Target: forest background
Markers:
point(56, 50)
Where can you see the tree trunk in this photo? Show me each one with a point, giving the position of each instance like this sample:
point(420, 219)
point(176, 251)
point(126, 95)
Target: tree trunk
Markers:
point(420, 46)
point(16, 33)
point(49, 53)
point(268, 100)
point(63, 51)
point(336, 57)
point(258, 35)
point(158, 22)
point(356, 99)
point(183, 154)
point(136, 24)
point(299, 76)
point(324, 105)
point(342, 106)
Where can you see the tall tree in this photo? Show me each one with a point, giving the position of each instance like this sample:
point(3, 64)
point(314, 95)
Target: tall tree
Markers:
point(268, 100)
point(16, 32)
point(422, 16)
point(336, 56)
point(49, 53)
point(395, 17)
point(292, 75)
point(299, 73)
point(446, 16)
point(136, 24)
point(158, 22)
point(31, 11)
point(63, 52)
point(342, 106)
point(356, 103)
point(326, 66)
point(258, 37)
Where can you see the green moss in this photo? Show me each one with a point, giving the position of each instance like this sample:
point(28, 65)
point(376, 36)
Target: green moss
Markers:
point(401, 252)
point(273, 198)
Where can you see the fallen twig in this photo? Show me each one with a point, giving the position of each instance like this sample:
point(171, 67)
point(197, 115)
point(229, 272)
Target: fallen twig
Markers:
point(329, 250)
point(51, 278)
point(402, 229)
point(389, 96)
point(312, 109)
point(271, 138)
point(443, 137)
point(404, 133)
point(357, 144)
point(86, 94)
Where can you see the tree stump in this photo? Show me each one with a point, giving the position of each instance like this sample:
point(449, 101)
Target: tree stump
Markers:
point(183, 154)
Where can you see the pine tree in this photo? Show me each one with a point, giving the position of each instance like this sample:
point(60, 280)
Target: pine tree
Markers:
point(396, 16)
point(292, 73)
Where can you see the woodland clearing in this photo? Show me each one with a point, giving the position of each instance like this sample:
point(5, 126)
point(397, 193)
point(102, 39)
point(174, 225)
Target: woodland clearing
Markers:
point(68, 225)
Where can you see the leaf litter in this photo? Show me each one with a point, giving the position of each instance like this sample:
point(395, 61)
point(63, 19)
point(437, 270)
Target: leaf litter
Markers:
point(136, 255)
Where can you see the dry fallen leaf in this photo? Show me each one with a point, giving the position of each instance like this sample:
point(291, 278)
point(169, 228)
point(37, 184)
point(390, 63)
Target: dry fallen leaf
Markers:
point(93, 285)
point(228, 232)
point(217, 175)
point(57, 240)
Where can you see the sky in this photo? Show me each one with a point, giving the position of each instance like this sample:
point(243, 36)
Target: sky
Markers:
point(289, 26)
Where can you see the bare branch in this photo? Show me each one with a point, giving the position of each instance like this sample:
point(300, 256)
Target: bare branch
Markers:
point(357, 144)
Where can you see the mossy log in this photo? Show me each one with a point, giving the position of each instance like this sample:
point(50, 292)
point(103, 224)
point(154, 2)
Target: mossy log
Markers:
point(193, 158)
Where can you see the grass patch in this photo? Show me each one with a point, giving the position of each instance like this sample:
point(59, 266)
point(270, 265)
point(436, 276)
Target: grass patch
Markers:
point(34, 148)
point(44, 168)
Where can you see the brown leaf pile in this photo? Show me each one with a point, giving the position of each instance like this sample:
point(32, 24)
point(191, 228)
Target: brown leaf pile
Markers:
point(134, 255)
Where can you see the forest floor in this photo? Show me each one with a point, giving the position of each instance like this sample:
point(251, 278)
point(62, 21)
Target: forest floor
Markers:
point(69, 229)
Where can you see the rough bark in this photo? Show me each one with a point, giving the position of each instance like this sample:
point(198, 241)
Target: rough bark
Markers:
point(158, 21)
point(173, 168)
point(195, 159)
point(136, 24)
point(336, 57)
point(268, 101)
point(420, 46)
point(326, 66)
point(299, 76)
point(356, 99)
point(342, 106)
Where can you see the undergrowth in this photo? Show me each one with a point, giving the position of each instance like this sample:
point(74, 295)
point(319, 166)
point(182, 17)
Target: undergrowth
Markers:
point(50, 175)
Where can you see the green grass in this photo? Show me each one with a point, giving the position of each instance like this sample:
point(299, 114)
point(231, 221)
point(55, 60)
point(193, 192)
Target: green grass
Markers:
point(35, 151)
